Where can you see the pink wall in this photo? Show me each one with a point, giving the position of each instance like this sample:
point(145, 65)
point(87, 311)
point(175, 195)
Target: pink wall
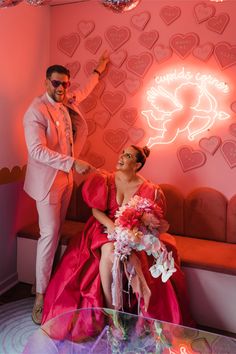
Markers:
point(154, 39)
point(24, 47)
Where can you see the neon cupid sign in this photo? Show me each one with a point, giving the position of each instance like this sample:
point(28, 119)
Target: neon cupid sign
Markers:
point(182, 102)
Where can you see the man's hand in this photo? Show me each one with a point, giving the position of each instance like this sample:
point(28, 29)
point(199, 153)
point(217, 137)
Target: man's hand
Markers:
point(103, 60)
point(83, 167)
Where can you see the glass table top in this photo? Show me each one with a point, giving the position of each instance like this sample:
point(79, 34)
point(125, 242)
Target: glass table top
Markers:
point(98, 330)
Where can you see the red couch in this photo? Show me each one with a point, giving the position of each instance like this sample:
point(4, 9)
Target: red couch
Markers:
point(203, 224)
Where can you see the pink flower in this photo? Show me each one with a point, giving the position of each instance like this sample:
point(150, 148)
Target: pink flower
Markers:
point(130, 218)
point(138, 226)
point(150, 221)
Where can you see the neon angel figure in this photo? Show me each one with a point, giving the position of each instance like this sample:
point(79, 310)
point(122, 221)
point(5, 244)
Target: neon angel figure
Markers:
point(191, 109)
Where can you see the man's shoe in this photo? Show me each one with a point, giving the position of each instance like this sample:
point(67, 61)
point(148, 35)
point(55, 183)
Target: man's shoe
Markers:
point(37, 313)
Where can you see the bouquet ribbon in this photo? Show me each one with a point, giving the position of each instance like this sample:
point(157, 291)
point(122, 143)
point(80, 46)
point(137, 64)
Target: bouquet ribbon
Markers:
point(137, 281)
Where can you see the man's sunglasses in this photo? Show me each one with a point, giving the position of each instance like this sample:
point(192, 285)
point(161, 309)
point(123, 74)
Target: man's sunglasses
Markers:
point(57, 83)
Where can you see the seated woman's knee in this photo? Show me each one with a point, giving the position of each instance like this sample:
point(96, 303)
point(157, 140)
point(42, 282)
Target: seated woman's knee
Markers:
point(107, 251)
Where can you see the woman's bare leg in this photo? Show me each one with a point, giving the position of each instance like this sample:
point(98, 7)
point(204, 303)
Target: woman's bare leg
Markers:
point(105, 269)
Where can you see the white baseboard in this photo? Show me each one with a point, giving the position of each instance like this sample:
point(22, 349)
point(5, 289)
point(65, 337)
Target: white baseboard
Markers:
point(8, 283)
point(212, 298)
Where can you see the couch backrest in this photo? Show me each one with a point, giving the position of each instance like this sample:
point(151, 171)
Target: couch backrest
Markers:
point(78, 210)
point(175, 208)
point(204, 213)
point(231, 220)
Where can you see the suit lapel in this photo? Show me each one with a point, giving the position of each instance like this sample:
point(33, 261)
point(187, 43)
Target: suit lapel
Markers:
point(77, 122)
point(52, 113)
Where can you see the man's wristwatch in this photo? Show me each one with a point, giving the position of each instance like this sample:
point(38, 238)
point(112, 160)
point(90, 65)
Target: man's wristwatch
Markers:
point(97, 72)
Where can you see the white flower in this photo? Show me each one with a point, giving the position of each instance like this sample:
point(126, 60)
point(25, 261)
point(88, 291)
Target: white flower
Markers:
point(164, 266)
point(156, 270)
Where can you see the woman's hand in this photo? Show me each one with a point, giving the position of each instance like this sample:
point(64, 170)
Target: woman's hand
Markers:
point(104, 220)
point(110, 227)
point(83, 167)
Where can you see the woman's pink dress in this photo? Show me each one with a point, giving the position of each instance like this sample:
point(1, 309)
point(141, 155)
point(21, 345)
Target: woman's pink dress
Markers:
point(76, 283)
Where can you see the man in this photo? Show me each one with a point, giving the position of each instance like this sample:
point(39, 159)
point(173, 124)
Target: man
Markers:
point(55, 133)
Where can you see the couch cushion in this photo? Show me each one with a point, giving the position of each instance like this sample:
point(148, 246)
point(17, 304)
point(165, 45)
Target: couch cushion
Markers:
point(70, 229)
point(204, 254)
point(78, 210)
point(205, 214)
point(175, 208)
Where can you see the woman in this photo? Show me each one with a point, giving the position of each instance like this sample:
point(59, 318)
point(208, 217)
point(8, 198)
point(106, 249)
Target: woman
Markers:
point(84, 276)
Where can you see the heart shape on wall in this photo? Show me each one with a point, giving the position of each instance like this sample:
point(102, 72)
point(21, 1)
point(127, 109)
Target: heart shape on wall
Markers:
point(148, 39)
point(73, 68)
point(68, 44)
point(204, 51)
point(129, 115)
point(225, 54)
point(89, 67)
point(162, 53)
point(132, 86)
point(93, 44)
point(183, 44)
point(86, 27)
point(118, 58)
point(117, 36)
point(89, 103)
point(116, 77)
point(169, 14)
point(232, 129)
point(190, 159)
point(139, 64)
point(115, 139)
point(228, 149)
point(203, 12)
point(140, 21)
point(211, 144)
point(136, 134)
point(218, 23)
point(102, 118)
point(113, 101)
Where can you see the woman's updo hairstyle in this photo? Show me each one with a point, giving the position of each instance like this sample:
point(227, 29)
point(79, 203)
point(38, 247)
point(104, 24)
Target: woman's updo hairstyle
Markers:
point(141, 155)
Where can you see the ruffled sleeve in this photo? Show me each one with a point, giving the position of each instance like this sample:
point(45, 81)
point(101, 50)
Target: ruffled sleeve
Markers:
point(154, 192)
point(160, 198)
point(95, 191)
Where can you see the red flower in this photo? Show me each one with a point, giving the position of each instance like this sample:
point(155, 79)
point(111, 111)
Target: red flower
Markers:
point(130, 218)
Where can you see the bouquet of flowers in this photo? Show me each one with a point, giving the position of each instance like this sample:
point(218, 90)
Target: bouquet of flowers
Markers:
point(138, 226)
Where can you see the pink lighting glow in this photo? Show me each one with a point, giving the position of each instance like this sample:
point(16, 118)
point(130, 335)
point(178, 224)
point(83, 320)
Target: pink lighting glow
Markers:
point(183, 102)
